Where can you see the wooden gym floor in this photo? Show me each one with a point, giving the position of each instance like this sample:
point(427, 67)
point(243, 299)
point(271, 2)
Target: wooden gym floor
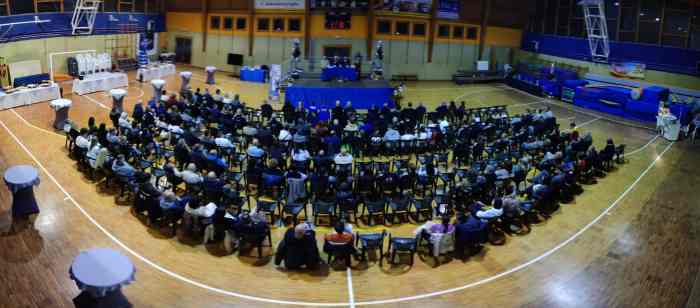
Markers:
point(628, 241)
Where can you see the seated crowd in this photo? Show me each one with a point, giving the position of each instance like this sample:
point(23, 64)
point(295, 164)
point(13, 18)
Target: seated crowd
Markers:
point(195, 160)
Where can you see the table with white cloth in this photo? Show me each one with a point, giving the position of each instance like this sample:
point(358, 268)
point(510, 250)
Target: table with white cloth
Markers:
point(670, 126)
point(211, 72)
point(118, 98)
point(185, 84)
point(61, 106)
point(29, 96)
point(100, 82)
point(158, 85)
point(100, 274)
point(20, 181)
point(155, 72)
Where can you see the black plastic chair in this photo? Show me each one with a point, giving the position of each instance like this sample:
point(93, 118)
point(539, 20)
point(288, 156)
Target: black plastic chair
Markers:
point(268, 208)
point(293, 209)
point(371, 241)
point(402, 245)
point(321, 208)
point(372, 208)
point(422, 206)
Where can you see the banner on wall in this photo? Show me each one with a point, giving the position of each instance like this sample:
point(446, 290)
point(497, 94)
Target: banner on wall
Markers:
point(632, 70)
point(280, 4)
point(148, 42)
point(409, 6)
point(448, 9)
point(275, 80)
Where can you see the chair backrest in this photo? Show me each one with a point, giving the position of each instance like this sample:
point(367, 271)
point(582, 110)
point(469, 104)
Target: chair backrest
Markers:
point(321, 207)
point(376, 206)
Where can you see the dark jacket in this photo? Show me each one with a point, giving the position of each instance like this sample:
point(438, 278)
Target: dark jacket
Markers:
point(298, 252)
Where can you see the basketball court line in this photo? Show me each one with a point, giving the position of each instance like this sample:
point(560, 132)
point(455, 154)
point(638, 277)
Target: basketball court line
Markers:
point(351, 302)
point(95, 101)
point(551, 102)
point(351, 293)
point(36, 127)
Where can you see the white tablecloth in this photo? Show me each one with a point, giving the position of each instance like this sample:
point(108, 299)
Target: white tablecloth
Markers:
point(100, 82)
point(156, 72)
point(29, 96)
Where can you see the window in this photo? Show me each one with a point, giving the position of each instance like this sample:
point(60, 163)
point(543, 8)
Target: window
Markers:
point(419, 29)
point(215, 22)
point(263, 24)
point(278, 24)
point(457, 32)
point(294, 24)
point(443, 31)
point(472, 33)
point(48, 6)
point(109, 6)
point(676, 22)
point(675, 41)
point(628, 19)
point(241, 23)
point(228, 23)
point(649, 10)
point(383, 27)
point(402, 28)
point(22, 7)
point(649, 32)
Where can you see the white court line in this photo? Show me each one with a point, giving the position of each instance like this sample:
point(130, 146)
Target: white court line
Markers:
point(144, 259)
point(587, 122)
point(351, 293)
point(548, 101)
point(32, 125)
point(416, 297)
point(477, 92)
point(526, 104)
point(537, 259)
point(643, 147)
point(95, 101)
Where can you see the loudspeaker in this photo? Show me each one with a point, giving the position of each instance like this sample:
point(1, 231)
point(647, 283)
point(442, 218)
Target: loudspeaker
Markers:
point(235, 59)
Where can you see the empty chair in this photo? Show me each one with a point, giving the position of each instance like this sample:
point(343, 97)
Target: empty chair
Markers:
point(375, 208)
point(401, 245)
point(368, 241)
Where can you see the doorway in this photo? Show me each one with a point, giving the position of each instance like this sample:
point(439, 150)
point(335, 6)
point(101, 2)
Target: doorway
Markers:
point(341, 51)
point(183, 50)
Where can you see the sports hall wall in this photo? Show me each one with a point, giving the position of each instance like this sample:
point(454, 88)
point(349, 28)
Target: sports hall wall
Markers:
point(404, 54)
point(36, 41)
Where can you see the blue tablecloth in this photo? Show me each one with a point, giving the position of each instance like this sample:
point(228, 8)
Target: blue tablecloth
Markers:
point(323, 97)
point(20, 180)
point(101, 270)
point(256, 75)
point(31, 79)
point(345, 73)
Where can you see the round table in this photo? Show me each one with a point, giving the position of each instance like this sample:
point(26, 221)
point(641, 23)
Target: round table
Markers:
point(100, 273)
point(21, 180)
point(158, 85)
point(118, 98)
point(186, 76)
point(211, 71)
point(61, 106)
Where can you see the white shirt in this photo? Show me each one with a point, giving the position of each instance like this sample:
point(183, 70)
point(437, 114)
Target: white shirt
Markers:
point(490, 213)
point(341, 159)
point(223, 142)
point(284, 135)
point(202, 211)
point(82, 142)
point(301, 155)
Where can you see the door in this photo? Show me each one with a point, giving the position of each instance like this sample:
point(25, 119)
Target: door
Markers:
point(183, 50)
point(341, 51)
